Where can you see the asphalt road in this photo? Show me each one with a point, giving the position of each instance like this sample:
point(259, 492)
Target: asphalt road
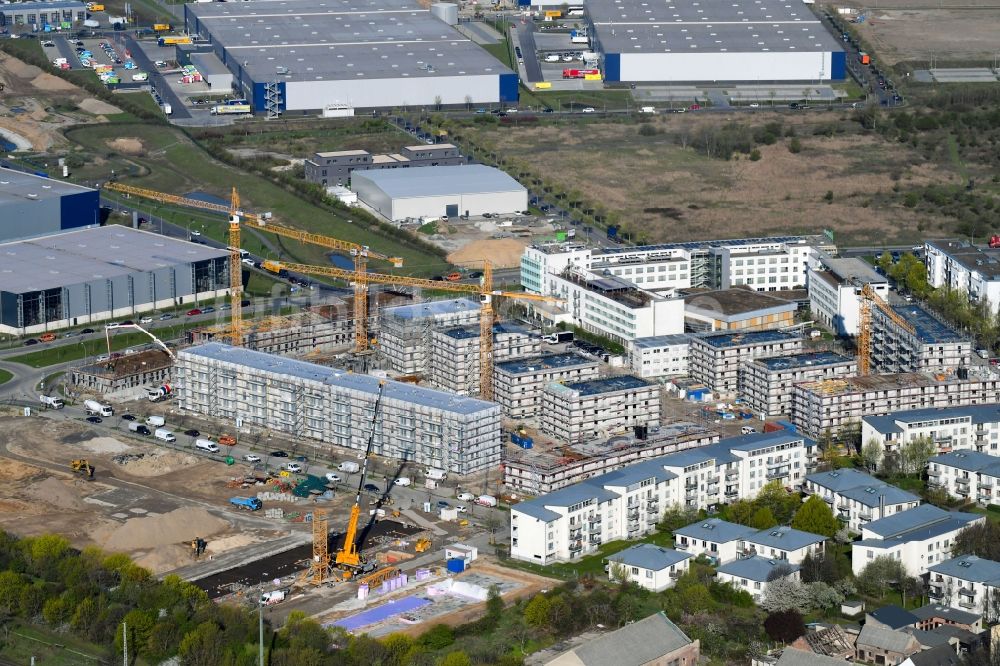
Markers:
point(66, 50)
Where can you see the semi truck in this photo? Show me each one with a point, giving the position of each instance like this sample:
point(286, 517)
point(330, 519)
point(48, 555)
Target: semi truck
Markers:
point(51, 402)
point(95, 408)
point(231, 110)
point(179, 39)
point(579, 73)
point(247, 503)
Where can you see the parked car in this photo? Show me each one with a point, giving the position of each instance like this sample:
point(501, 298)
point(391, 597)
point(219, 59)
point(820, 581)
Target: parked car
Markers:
point(443, 504)
point(292, 467)
point(279, 454)
point(466, 497)
point(333, 478)
point(166, 316)
point(251, 458)
point(193, 312)
point(86, 331)
point(402, 481)
point(30, 341)
point(192, 433)
point(208, 310)
point(461, 508)
point(94, 419)
point(372, 488)
point(588, 109)
point(146, 320)
point(128, 417)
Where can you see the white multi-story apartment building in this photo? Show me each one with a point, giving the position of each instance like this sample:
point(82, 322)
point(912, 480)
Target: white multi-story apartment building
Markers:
point(829, 404)
point(650, 566)
point(932, 345)
point(766, 383)
point(857, 498)
point(782, 543)
point(753, 574)
point(405, 330)
point(968, 583)
point(518, 384)
point(972, 428)
point(968, 475)
point(917, 537)
point(615, 308)
point(763, 264)
point(453, 361)
point(660, 356)
point(835, 291)
point(715, 358)
point(579, 411)
point(960, 266)
point(433, 428)
point(714, 537)
point(575, 520)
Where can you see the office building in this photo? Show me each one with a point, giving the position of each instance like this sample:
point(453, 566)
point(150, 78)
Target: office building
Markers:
point(579, 411)
point(455, 433)
point(335, 167)
point(766, 383)
point(716, 358)
point(59, 14)
point(835, 291)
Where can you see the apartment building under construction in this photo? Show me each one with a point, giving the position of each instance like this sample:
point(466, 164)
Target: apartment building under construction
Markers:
point(405, 332)
point(454, 357)
point(316, 329)
point(928, 345)
point(574, 412)
point(433, 428)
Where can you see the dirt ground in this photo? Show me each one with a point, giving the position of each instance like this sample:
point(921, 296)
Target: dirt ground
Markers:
point(502, 252)
point(671, 192)
point(127, 146)
point(143, 500)
point(28, 98)
point(921, 34)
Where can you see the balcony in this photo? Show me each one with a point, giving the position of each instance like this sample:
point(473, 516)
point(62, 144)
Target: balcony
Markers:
point(713, 479)
point(985, 484)
point(691, 486)
point(633, 527)
point(966, 603)
point(732, 491)
point(633, 514)
point(865, 516)
point(778, 463)
point(778, 473)
point(595, 523)
point(933, 472)
point(576, 547)
point(732, 473)
point(594, 540)
point(935, 592)
point(575, 530)
point(674, 575)
point(652, 501)
point(961, 482)
point(691, 494)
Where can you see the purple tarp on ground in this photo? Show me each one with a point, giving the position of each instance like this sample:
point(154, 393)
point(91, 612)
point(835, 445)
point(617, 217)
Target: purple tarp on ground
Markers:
point(380, 613)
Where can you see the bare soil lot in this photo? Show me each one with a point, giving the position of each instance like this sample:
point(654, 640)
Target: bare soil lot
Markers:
point(921, 34)
point(665, 191)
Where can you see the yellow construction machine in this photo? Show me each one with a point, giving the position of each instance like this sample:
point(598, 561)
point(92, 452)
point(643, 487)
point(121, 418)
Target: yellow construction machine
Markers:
point(83, 467)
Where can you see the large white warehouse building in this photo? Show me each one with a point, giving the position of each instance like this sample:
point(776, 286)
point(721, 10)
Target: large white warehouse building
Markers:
point(467, 189)
point(713, 40)
point(307, 55)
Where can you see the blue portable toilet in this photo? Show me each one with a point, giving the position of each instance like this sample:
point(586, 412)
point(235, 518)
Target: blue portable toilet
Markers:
point(456, 565)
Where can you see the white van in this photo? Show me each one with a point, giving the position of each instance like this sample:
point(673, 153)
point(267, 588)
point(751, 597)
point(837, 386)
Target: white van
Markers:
point(647, 109)
point(748, 430)
point(436, 474)
point(402, 481)
point(155, 421)
point(292, 467)
point(165, 435)
point(206, 445)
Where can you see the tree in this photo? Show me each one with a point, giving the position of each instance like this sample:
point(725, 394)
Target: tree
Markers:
point(677, 516)
point(981, 539)
point(916, 453)
point(815, 516)
point(740, 512)
point(696, 599)
point(781, 503)
point(494, 603)
point(885, 262)
point(879, 574)
point(536, 612)
point(762, 519)
point(785, 594)
point(784, 626)
point(823, 596)
point(202, 646)
point(457, 658)
point(871, 454)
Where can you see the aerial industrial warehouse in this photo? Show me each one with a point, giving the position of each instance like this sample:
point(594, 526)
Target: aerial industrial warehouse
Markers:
point(304, 55)
point(84, 276)
point(717, 40)
point(33, 205)
point(443, 430)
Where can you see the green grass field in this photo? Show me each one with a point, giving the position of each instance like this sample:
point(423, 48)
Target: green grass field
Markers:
point(171, 162)
point(49, 648)
point(592, 565)
point(5, 376)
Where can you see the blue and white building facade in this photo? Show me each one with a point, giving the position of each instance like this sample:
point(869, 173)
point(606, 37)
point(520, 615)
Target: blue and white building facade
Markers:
point(969, 475)
point(968, 583)
point(969, 428)
point(574, 521)
point(857, 498)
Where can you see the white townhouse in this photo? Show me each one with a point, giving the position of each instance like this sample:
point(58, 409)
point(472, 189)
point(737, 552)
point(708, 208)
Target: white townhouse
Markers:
point(714, 537)
point(754, 574)
point(972, 427)
point(650, 566)
point(783, 543)
point(858, 498)
point(969, 475)
point(968, 583)
point(627, 503)
point(917, 537)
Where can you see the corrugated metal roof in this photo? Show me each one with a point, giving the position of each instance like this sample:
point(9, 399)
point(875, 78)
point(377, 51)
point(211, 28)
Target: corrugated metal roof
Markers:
point(18, 186)
point(435, 181)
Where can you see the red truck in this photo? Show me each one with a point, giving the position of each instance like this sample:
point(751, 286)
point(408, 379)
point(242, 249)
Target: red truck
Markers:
point(578, 73)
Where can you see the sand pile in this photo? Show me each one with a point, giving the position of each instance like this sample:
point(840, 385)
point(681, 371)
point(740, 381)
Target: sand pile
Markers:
point(154, 463)
point(19, 69)
point(48, 82)
point(56, 493)
point(12, 470)
point(175, 527)
point(108, 445)
point(127, 145)
point(165, 558)
point(503, 252)
point(97, 107)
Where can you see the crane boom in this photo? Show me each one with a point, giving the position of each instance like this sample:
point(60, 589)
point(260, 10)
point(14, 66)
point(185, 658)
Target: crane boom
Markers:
point(348, 556)
point(156, 340)
point(360, 253)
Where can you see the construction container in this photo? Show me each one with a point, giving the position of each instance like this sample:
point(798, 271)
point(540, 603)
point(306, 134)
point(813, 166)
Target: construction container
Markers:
point(456, 565)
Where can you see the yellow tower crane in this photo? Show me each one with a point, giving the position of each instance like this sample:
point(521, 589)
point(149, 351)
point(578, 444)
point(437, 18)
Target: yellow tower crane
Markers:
point(360, 254)
point(484, 289)
point(870, 298)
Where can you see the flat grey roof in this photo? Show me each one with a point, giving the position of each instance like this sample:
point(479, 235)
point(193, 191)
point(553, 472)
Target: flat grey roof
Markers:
point(209, 63)
point(604, 385)
point(429, 309)
point(746, 338)
point(17, 186)
point(656, 341)
point(711, 26)
point(435, 181)
point(396, 391)
point(41, 6)
point(544, 362)
point(983, 260)
point(853, 269)
point(330, 40)
point(95, 253)
point(737, 303)
point(807, 360)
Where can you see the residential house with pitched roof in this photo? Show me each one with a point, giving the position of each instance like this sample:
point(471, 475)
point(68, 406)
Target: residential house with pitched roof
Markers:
point(653, 641)
point(858, 498)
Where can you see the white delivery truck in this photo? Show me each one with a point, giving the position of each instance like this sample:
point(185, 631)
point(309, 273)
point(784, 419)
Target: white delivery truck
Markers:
point(155, 421)
point(348, 467)
point(95, 408)
point(51, 402)
point(486, 500)
point(165, 435)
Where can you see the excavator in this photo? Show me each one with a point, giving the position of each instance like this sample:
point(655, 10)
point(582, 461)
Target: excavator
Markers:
point(349, 559)
point(83, 467)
